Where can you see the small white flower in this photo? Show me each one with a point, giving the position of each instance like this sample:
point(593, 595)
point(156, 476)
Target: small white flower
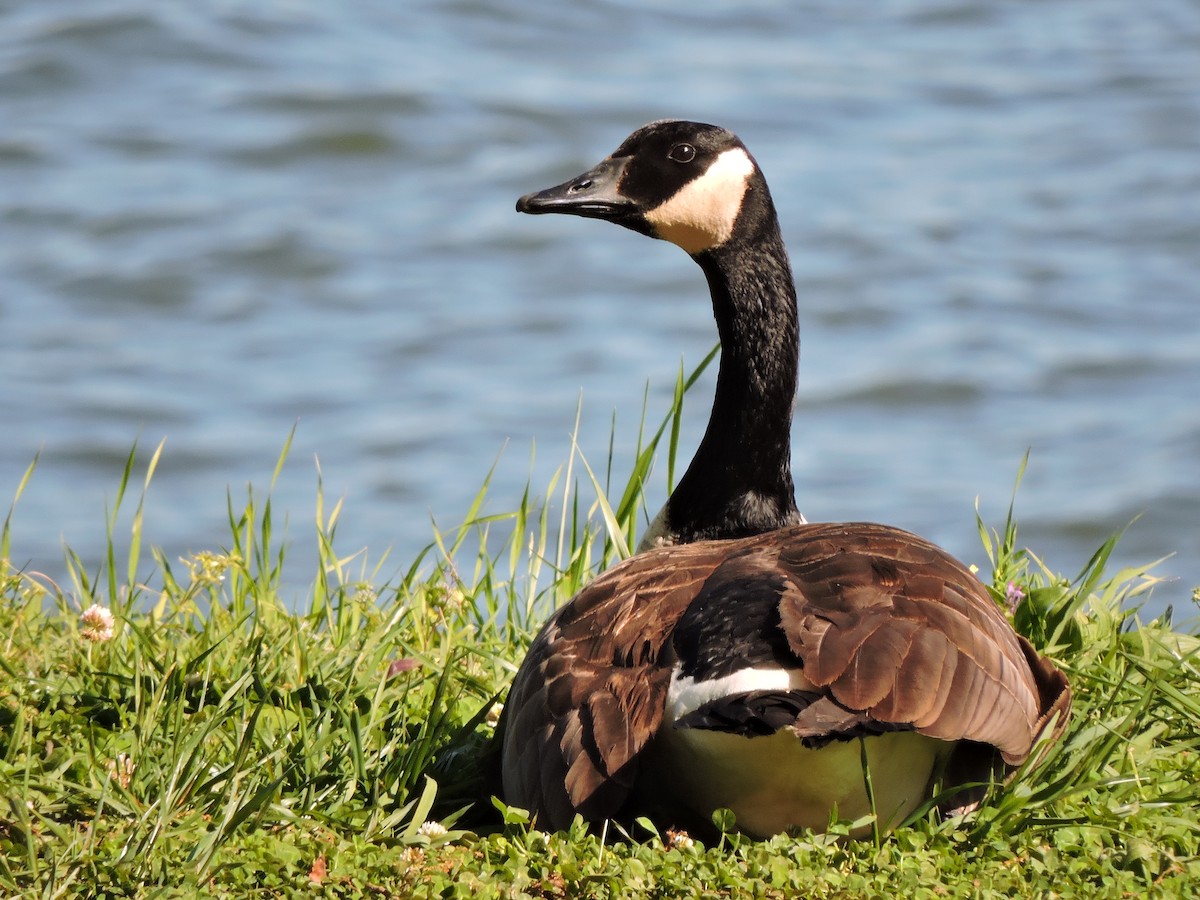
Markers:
point(97, 623)
point(121, 769)
point(679, 840)
point(432, 829)
point(493, 714)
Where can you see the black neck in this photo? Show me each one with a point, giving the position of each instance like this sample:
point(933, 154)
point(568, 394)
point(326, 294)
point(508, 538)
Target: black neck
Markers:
point(740, 480)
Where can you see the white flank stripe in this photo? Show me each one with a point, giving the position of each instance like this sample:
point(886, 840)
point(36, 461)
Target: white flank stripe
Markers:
point(686, 695)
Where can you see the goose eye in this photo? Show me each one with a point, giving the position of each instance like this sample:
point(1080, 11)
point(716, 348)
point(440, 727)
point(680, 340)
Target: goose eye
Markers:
point(682, 153)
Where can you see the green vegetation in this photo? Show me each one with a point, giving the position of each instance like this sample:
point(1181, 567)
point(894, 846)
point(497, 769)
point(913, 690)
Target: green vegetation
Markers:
point(215, 742)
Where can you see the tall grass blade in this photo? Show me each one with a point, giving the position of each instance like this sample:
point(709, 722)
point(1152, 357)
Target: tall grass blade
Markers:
point(6, 532)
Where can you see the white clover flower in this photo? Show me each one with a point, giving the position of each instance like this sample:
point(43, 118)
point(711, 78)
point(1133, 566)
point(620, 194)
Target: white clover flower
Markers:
point(432, 829)
point(121, 769)
point(97, 623)
point(679, 840)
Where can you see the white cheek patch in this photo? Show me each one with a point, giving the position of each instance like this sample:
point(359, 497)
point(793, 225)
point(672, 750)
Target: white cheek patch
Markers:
point(701, 215)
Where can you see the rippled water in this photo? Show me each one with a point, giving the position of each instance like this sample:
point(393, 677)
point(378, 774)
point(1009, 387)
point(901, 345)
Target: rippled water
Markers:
point(220, 220)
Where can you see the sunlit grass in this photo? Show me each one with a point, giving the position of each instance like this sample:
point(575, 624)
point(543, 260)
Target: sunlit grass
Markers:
point(220, 742)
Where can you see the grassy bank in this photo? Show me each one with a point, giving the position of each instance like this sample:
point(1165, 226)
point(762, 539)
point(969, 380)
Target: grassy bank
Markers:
point(216, 742)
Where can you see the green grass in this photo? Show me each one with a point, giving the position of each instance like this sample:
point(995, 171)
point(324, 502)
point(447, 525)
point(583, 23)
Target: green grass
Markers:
point(223, 744)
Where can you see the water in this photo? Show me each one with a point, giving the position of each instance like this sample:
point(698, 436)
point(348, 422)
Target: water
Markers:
point(219, 221)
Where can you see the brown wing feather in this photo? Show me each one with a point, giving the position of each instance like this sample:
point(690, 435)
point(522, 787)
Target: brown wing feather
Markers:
point(590, 693)
point(895, 627)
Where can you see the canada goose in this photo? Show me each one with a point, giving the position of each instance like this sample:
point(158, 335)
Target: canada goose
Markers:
point(747, 661)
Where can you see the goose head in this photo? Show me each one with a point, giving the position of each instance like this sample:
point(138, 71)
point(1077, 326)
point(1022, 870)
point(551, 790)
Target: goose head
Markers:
point(683, 182)
point(697, 186)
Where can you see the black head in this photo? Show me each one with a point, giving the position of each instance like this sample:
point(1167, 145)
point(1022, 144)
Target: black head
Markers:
point(684, 182)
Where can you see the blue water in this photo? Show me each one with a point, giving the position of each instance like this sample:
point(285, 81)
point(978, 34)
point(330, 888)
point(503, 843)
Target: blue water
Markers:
point(219, 221)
